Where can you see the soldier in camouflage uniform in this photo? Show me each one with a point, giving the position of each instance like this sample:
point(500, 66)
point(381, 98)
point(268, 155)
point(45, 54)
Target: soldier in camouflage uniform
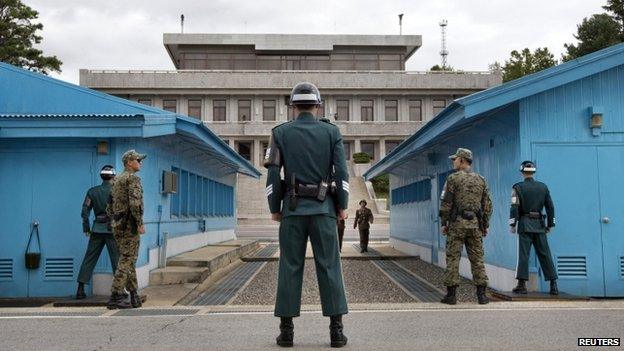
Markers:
point(465, 210)
point(363, 219)
point(126, 210)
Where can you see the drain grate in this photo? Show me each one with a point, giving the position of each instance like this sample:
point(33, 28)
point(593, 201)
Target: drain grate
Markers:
point(142, 312)
point(52, 314)
point(267, 252)
point(415, 286)
point(225, 290)
point(370, 251)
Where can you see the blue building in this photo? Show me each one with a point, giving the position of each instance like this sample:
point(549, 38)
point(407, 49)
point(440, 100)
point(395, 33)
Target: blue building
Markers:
point(55, 137)
point(569, 119)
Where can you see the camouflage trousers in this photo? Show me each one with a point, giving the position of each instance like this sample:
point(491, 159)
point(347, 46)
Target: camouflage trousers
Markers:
point(125, 275)
point(473, 240)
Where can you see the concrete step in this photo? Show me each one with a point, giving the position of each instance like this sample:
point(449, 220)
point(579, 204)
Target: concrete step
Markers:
point(196, 265)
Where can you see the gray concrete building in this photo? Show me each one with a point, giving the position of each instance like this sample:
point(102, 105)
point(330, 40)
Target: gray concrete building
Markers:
point(238, 84)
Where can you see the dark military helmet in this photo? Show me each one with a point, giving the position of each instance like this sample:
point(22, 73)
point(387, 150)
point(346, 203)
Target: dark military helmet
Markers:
point(528, 166)
point(362, 201)
point(305, 94)
point(107, 172)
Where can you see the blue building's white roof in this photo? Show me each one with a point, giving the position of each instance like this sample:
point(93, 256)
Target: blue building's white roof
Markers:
point(464, 111)
point(33, 105)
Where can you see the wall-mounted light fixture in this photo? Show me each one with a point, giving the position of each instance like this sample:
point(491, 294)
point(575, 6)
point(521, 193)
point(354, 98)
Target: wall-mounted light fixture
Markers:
point(596, 119)
point(102, 147)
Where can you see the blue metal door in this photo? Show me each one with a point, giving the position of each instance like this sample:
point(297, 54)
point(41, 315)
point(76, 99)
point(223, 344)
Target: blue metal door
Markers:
point(571, 174)
point(46, 186)
point(611, 169)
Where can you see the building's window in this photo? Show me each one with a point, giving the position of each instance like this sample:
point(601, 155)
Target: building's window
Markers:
point(321, 110)
point(219, 61)
point(365, 62)
point(244, 61)
point(244, 149)
point(342, 62)
point(147, 102)
point(317, 63)
point(192, 191)
point(170, 105)
point(369, 148)
point(269, 62)
point(183, 190)
point(244, 110)
point(175, 198)
point(342, 110)
point(195, 108)
point(265, 146)
point(415, 110)
point(290, 110)
point(390, 62)
point(268, 110)
point(367, 110)
point(392, 110)
point(218, 110)
point(391, 145)
point(347, 149)
point(438, 106)
point(293, 63)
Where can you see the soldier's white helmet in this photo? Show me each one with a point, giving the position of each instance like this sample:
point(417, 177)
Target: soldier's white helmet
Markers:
point(305, 94)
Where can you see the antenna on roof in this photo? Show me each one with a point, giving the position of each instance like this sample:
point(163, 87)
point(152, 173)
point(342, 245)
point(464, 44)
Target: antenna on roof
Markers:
point(400, 24)
point(182, 23)
point(443, 52)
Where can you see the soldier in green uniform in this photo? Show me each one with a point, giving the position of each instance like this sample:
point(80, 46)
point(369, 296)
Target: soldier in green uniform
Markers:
point(312, 155)
point(100, 234)
point(528, 198)
point(465, 210)
point(363, 220)
point(341, 228)
point(126, 210)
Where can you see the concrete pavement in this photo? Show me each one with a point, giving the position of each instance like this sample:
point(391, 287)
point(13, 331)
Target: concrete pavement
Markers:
point(498, 326)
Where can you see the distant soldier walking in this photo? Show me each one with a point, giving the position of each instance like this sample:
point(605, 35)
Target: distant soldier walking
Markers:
point(126, 210)
point(363, 219)
point(312, 155)
point(528, 198)
point(465, 210)
point(341, 228)
point(100, 234)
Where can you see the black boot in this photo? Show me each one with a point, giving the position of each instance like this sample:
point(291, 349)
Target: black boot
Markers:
point(451, 295)
point(554, 290)
point(80, 293)
point(520, 288)
point(287, 332)
point(135, 299)
point(481, 296)
point(338, 339)
point(115, 298)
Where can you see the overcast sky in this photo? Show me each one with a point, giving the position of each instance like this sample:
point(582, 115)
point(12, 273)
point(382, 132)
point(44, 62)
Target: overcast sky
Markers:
point(115, 34)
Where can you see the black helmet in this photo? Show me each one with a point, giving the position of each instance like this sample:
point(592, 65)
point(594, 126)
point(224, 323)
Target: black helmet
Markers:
point(107, 172)
point(528, 166)
point(305, 94)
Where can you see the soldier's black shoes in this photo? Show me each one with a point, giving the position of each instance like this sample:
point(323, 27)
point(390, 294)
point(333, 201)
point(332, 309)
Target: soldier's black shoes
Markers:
point(80, 293)
point(481, 296)
point(287, 332)
point(117, 301)
point(520, 288)
point(336, 336)
point(554, 290)
point(135, 299)
point(451, 296)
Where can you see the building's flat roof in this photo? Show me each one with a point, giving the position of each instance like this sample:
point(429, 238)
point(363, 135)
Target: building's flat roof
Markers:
point(291, 42)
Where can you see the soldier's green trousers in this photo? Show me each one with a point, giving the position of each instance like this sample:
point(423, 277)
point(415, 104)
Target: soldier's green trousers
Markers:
point(473, 240)
point(94, 249)
point(293, 237)
point(542, 251)
point(125, 275)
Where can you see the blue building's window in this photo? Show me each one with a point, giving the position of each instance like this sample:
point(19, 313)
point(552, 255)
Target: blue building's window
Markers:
point(201, 197)
point(184, 193)
point(175, 198)
point(192, 195)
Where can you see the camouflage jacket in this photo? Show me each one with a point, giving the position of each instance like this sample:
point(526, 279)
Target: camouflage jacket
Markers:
point(465, 191)
point(126, 202)
point(363, 218)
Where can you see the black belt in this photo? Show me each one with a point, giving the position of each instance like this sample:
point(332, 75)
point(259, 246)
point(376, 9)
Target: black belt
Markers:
point(533, 215)
point(305, 190)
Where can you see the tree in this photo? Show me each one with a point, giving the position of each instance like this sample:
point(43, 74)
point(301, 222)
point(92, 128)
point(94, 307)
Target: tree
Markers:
point(616, 7)
point(597, 32)
point(442, 68)
point(495, 68)
point(18, 34)
point(527, 62)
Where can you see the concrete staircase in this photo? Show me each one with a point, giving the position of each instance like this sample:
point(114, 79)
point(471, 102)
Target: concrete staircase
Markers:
point(253, 208)
point(197, 265)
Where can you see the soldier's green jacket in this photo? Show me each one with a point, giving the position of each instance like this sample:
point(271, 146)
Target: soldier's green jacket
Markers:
point(363, 218)
point(322, 142)
point(126, 207)
point(465, 191)
point(96, 199)
point(531, 196)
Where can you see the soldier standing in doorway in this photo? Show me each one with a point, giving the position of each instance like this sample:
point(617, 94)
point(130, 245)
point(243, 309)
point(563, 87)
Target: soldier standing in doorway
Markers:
point(528, 198)
point(312, 154)
point(363, 220)
point(100, 234)
point(465, 210)
point(126, 210)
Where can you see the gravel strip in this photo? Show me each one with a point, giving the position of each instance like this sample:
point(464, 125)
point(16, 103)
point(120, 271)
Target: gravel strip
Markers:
point(435, 275)
point(364, 283)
